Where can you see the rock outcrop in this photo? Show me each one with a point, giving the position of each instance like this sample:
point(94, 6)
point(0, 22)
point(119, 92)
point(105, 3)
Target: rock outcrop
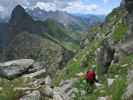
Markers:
point(34, 95)
point(51, 55)
point(128, 95)
point(63, 92)
point(128, 5)
point(15, 68)
point(104, 57)
point(37, 84)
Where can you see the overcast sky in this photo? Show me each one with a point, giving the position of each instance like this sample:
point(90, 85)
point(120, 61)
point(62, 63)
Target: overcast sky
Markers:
point(70, 6)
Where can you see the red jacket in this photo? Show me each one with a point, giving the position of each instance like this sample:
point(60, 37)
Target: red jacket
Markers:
point(90, 75)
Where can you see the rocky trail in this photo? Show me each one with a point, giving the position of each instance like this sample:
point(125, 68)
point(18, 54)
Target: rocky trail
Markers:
point(29, 80)
point(38, 84)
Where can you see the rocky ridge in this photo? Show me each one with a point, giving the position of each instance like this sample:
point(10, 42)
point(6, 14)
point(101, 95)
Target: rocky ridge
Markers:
point(38, 84)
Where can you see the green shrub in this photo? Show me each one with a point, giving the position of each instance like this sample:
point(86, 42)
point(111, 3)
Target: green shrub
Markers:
point(118, 89)
point(120, 31)
point(8, 92)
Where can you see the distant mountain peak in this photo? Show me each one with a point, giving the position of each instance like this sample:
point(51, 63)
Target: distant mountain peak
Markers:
point(18, 15)
point(18, 9)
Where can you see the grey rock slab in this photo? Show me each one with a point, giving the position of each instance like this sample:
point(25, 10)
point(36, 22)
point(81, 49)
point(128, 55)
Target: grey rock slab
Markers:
point(36, 74)
point(48, 81)
point(15, 68)
point(35, 95)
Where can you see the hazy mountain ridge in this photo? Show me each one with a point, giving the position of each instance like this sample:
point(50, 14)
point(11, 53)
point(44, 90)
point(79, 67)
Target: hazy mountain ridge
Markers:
point(76, 22)
point(20, 21)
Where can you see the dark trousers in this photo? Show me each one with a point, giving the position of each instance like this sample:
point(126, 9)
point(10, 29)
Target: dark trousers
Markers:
point(90, 86)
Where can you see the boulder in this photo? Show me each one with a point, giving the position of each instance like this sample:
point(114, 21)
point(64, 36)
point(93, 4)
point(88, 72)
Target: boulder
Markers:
point(83, 92)
point(64, 82)
point(25, 88)
point(57, 97)
point(128, 95)
point(47, 91)
point(130, 75)
point(67, 87)
point(98, 84)
point(110, 82)
point(48, 81)
point(35, 95)
point(116, 57)
point(104, 98)
point(60, 94)
point(36, 67)
point(15, 68)
point(104, 57)
point(128, 5)
point(40, 73)
point(37, 82)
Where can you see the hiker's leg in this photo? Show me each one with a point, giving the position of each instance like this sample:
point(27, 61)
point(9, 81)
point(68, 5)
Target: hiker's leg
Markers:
point(92, 86)
point(87, 87)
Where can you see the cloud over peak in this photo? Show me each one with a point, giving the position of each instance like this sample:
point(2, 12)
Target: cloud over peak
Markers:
point(70, 6)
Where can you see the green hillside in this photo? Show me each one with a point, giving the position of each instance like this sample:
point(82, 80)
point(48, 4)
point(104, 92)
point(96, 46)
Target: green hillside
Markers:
point(114, 30)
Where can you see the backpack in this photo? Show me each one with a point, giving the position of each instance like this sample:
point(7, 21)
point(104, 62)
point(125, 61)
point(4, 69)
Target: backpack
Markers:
point(90, 75)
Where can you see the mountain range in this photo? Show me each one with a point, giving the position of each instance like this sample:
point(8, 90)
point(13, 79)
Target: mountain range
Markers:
point(21, 21)
point(53, 25)
point(76, 22)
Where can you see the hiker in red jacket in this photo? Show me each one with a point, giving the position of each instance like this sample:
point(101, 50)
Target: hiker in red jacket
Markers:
point(90, 77)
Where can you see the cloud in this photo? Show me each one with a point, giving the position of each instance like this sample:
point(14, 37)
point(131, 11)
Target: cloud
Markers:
point(46, 6)
point(71, 6)
point(8, 5)
point(79, 7)
point(1, 8)
point(75, 6)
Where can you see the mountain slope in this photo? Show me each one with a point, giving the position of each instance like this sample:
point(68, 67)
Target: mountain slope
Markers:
point(114, 31)
point(115, 26)
point(3, 34)
point(20, 21)
point(28, 45)
point(41, 41)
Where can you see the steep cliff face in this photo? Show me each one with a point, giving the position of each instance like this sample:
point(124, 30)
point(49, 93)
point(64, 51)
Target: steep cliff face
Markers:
point(20, 21)
point(3, 34)
point(128, 4)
